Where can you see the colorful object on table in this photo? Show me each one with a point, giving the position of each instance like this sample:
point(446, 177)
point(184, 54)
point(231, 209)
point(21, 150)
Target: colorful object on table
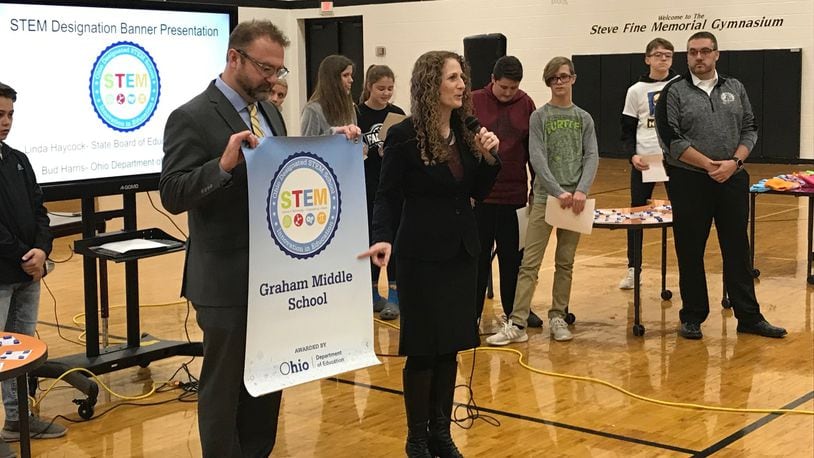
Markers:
point(785, 182)
point(779, 184)
point(760, 186)
point(807, 177)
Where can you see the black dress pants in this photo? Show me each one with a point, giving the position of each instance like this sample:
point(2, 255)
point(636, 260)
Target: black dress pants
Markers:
point(497, 223)
point(697, 201)
point(231, 422)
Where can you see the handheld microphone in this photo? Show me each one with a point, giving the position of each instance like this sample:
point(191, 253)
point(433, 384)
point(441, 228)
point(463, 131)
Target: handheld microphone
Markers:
point(473, 124)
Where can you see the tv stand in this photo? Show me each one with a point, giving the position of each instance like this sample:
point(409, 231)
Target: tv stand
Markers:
point(140, 348)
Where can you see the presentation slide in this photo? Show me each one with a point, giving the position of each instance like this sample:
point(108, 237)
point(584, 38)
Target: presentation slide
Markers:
point(95, 85)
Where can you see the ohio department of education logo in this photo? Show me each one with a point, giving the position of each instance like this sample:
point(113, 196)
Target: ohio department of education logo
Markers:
point(124, 86)
point(303, 205)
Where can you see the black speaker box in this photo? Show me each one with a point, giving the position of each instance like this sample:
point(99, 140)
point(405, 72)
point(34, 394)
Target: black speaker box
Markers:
point(481, 52)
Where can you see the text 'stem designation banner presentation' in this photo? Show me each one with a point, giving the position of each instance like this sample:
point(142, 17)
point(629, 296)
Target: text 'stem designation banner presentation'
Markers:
point(309, 297)
point(96, 85)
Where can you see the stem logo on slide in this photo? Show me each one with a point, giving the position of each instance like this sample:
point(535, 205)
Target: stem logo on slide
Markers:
point(302, 208)
point(124, 86)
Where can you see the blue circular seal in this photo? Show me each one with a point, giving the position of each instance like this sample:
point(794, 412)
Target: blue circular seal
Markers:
point(303, 205)
point(124, 86)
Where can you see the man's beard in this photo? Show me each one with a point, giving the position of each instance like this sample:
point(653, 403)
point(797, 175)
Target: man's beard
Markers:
point(257, 93)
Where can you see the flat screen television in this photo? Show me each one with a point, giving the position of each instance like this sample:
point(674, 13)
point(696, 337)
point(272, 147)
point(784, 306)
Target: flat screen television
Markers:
point(96, 82)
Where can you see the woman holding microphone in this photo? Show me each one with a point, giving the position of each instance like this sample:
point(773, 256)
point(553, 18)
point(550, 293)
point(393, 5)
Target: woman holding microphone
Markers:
point(435, 165)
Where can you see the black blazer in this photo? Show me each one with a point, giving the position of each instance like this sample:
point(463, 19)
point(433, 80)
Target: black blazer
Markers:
point(216, 268)
point(437, 216)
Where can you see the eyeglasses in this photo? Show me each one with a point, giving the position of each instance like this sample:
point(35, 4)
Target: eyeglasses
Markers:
point(266, 70)
point(560, 79)
point(660, 54)
point(704, 52)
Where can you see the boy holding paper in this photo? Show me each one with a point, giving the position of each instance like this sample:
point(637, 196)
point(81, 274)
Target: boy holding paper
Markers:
point(639, 140)
point(564, 154)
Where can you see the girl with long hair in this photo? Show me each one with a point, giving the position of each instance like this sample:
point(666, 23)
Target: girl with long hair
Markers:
point(331, 104)
point(374, 106)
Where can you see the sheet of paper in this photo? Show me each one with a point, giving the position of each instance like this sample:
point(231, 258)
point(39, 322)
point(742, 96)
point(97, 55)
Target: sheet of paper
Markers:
point(522, 224)
point(389, 121)
point(58, 220)
point(134, 244)
point(656, 172)
point(564, 218)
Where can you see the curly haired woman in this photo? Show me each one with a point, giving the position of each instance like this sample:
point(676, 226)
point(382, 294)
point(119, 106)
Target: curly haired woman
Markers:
point(436, 165)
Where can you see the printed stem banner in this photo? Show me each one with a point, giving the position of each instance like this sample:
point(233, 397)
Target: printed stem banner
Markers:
point(310, 305)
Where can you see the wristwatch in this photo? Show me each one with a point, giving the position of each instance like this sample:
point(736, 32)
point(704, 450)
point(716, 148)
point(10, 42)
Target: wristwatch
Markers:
point(738, 161)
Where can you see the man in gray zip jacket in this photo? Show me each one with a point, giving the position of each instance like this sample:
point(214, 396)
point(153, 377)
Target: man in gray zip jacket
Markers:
point(707, 129)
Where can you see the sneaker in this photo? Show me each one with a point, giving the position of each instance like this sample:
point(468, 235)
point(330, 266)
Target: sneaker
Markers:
point(6, 451)
point(38, 429)
point(509, 334)
point(627, 282)
point(559, 330)
point(534, 321)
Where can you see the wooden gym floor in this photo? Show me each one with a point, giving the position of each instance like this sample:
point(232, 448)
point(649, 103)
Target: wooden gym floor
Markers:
point(361, 413)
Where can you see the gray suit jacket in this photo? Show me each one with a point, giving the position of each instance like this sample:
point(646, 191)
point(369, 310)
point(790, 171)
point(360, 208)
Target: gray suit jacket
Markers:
point(217, 257)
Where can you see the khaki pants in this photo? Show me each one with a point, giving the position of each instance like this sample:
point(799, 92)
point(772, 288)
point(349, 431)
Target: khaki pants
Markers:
point(537, 236)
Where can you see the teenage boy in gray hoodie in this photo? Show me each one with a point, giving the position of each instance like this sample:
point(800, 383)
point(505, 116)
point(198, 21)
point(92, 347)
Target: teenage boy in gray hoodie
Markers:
point(564, 154)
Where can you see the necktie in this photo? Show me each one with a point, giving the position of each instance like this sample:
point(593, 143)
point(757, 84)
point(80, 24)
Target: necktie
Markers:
point(256, 129)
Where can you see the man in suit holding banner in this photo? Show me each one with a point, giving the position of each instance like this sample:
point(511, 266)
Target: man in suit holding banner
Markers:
point(204, 174)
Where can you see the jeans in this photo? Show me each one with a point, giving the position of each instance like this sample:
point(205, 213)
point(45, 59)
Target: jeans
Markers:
point(537, 235)
point(19, 307)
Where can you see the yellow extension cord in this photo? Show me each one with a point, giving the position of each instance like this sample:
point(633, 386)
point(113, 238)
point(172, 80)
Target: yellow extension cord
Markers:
point(681, 405)
point(82, 337)
point(76, 321)
point(520, 360)
point(35, 402)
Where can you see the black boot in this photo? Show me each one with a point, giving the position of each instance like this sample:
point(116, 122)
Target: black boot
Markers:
point(416, 402)
point(441, 397)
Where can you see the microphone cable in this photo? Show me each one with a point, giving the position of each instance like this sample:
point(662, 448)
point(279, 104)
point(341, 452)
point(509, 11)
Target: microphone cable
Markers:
point(471, 410)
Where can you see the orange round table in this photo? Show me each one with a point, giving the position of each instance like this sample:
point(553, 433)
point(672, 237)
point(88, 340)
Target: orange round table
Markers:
point(19, 355)
point(660, 216)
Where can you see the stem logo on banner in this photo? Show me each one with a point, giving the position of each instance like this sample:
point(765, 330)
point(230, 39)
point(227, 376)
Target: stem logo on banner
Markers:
point(307, 223)
point(303, 205)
